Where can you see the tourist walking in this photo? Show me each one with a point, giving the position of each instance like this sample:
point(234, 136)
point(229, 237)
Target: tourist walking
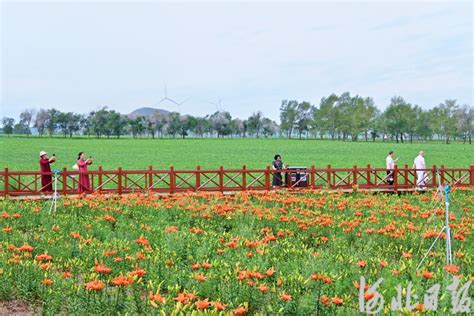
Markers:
point(419, 165)
point(390, 162)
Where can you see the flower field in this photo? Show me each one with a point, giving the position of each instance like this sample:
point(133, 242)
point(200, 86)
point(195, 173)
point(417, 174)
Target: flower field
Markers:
point(252, 253)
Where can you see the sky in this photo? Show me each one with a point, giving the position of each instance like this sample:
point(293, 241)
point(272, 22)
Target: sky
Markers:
point(80, 56)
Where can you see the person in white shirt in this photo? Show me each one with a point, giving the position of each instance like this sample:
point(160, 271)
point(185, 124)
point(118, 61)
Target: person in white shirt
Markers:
point(419, 165)
point(390, 166)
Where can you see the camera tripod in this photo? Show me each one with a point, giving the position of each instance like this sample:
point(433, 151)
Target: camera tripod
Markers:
point(54, 198)
point(446, 229)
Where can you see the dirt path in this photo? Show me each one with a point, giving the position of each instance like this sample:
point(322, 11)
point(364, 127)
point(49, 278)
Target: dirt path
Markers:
point(16, 308)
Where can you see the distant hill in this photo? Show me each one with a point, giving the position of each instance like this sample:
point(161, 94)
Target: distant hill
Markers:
point(147, 112)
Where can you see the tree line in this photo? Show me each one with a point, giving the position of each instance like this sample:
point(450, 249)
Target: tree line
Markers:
point(342, 117)
point(352, 117)
point(109, 123)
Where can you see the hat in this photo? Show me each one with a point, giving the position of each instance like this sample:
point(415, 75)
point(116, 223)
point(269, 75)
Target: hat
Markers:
point(42, 153)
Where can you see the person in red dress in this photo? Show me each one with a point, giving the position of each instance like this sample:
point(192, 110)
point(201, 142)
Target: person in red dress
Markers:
point(46, 177)
point(84, 182)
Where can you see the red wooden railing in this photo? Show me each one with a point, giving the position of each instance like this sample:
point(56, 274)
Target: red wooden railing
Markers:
point(120, 181)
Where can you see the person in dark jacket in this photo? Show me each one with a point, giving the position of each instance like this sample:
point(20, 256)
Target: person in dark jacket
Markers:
point(277, 164)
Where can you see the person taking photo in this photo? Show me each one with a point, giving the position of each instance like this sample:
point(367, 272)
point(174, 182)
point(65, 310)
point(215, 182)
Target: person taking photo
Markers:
point(82, 163)
point(45, 167)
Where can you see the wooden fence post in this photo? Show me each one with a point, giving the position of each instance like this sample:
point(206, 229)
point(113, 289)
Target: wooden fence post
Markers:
point(369, 182)
point(354, 175)
point(198, 177)
point(99, 178)
point(312, 177)
point(434, 180)
point(7, 182)
point(150, 177)
point(267, 178)
point(471, 175)
point(64, 181)
point(405, 173)
point(172, 180)
point(125, 181)
point(395, 178)
point(221, 179)
point(329, 176)
point(441, 171)
point(119, 180)
point(244, 177)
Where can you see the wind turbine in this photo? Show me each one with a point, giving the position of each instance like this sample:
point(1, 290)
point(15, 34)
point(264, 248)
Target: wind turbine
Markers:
point(166, 98)
point(217, 104)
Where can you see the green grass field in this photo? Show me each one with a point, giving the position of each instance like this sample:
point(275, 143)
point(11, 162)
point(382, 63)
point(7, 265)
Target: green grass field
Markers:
point(21, 153)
